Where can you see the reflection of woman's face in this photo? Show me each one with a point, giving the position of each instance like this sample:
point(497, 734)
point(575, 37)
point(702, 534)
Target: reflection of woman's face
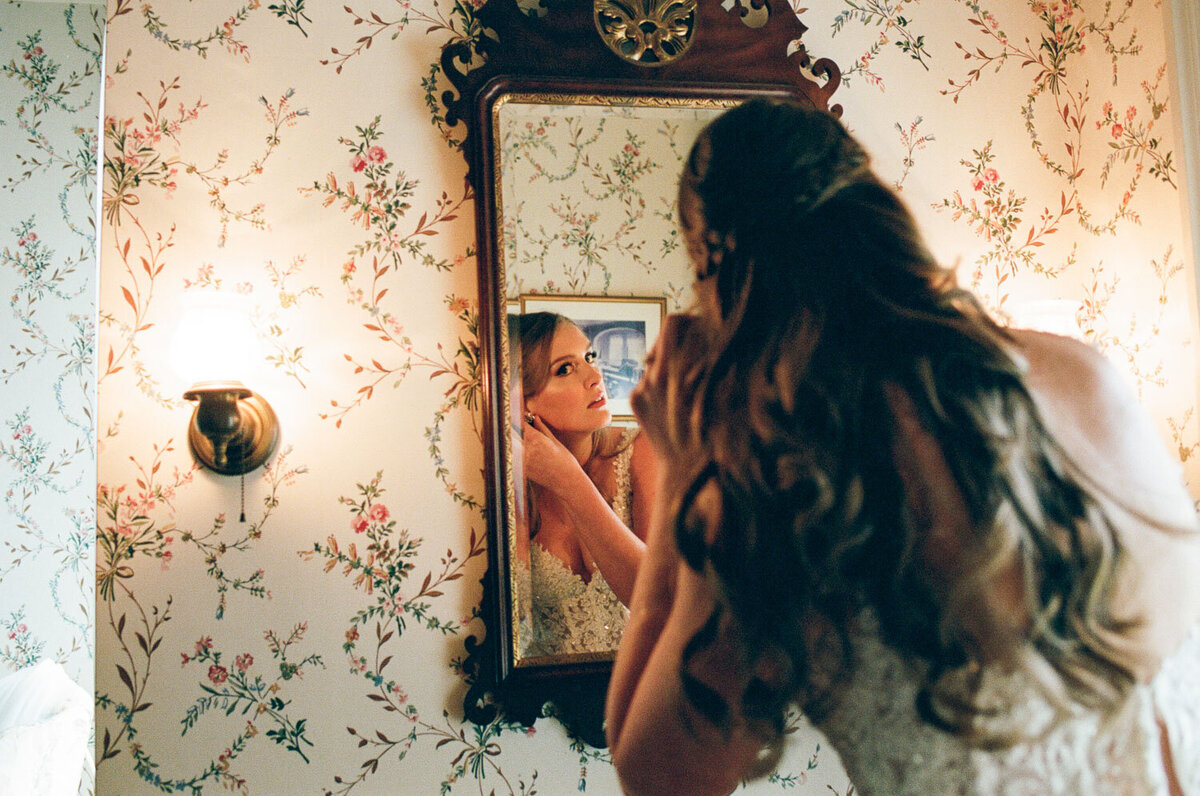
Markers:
point(573, 397)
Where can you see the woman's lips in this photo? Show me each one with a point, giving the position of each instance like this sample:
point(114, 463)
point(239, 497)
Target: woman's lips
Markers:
point(599, 403)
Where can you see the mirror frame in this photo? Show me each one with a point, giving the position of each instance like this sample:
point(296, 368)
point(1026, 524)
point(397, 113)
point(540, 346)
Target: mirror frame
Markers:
point(557, 55)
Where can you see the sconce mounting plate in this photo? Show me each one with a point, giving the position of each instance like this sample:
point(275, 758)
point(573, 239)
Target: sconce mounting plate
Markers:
point(249, 439)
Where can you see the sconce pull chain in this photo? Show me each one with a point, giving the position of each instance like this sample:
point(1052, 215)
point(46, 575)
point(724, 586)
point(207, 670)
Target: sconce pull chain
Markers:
point(242, 518)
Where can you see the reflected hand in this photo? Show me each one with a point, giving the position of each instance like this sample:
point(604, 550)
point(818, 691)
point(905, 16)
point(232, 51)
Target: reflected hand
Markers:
point(547, 461)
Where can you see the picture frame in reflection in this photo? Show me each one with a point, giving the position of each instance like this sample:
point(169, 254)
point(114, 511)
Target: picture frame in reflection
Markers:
point(622, 329)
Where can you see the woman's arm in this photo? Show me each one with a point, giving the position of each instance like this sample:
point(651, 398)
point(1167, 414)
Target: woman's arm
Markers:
point(653, 596)
point(660, 739)
point(643, 472)
point(615, 548)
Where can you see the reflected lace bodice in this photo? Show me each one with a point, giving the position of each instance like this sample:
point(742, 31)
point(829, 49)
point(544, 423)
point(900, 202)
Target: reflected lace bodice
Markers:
point(569, 615)
point(887, 749)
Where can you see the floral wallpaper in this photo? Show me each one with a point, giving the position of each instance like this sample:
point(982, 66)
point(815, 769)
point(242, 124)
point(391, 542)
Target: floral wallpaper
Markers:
point(587, 198)
point(50, 68)
point(291, 159)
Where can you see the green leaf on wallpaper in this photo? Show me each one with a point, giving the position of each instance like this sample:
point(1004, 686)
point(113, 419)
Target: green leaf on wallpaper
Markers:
point(293, 12)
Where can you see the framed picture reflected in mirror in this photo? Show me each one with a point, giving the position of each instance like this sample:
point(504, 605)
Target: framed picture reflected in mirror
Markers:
point(622, 331)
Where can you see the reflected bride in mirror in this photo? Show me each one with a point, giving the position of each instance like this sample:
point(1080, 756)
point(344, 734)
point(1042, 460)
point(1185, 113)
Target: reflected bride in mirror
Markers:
point(588, 484)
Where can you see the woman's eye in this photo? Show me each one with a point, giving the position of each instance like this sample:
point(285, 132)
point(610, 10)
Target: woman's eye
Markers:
point(564, 369)
point(590, 357)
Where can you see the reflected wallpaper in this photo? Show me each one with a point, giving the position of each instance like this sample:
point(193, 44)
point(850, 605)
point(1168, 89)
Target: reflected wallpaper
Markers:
point(302, 630)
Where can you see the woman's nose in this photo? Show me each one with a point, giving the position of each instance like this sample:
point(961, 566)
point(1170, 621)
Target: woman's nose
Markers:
point(591, 373)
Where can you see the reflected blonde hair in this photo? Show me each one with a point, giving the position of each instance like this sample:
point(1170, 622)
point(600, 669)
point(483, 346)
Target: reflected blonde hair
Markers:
point(824, 299)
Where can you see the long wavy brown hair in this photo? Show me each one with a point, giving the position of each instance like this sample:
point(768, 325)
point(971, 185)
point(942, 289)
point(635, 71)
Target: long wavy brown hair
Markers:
point(825, 300)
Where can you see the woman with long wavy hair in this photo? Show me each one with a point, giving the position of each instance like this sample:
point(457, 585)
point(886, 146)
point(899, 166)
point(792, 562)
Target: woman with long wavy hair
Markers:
point(960, 549)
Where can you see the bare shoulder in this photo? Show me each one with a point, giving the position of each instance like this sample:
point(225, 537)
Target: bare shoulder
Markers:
point(1072, 375)
point(1095, 415)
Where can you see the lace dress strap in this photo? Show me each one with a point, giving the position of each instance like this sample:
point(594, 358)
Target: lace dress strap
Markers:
point(622, 501)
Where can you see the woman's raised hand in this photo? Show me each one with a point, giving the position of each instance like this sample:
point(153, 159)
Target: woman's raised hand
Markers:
point(673, 368)
point(548, 463)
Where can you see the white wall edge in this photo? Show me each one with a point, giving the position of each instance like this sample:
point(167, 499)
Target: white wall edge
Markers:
point(1183, 36)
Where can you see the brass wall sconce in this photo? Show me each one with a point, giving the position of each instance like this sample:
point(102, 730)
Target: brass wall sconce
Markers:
point(233, 429)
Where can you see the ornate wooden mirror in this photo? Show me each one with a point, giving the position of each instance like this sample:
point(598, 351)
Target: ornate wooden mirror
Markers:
point(579, 116)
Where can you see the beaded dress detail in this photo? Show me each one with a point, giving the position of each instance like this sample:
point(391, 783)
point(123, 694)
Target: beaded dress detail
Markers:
point(570, 615)
point(887, 749)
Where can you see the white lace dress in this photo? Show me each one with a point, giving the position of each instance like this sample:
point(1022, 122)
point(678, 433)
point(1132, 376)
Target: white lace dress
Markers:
point(887, 749)
point(569, 615)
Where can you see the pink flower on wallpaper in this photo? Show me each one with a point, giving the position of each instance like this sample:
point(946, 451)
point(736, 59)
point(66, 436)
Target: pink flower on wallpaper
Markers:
point(1129, 114)
point(358, 163)
point(977, 184)
point(205, 643)
point(379, 513)
point(218, 674)
point(991, 175)
point(376, 154)
point(359, 524)
point(243, 661)
point(1117, 129)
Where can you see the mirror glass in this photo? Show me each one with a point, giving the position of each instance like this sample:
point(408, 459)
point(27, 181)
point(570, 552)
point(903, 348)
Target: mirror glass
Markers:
point(585, 226)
